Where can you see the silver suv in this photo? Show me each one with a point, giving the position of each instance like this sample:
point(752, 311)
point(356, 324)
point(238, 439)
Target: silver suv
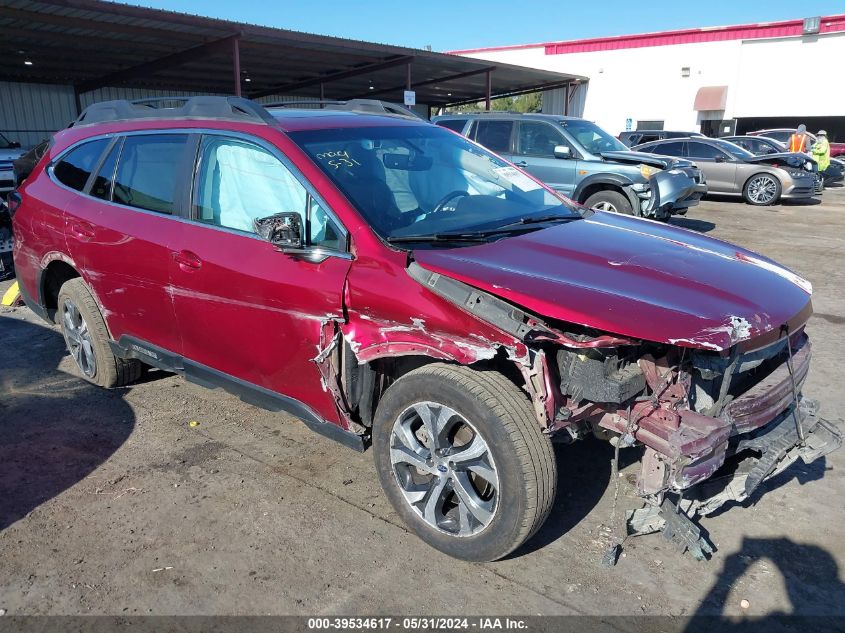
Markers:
point(585, 163)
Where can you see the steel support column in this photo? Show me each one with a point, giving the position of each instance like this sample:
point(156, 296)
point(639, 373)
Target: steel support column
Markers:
point(566, 101)
point(489, 90)
point(236, 65)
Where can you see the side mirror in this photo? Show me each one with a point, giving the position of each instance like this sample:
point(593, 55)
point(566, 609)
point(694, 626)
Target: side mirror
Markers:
point(562, 151)
point(283, 230)
point(15, 145)
point(721, 159)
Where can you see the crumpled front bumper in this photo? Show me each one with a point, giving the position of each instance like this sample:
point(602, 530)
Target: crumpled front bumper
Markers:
point(672, 192)
point(767, 452)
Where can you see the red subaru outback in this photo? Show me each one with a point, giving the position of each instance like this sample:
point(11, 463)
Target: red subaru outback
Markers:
point(390, 282)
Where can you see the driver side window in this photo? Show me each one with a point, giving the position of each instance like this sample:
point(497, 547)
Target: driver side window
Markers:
point(239, 182)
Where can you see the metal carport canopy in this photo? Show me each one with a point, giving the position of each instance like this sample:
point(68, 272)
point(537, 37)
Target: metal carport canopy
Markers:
point(92, 44)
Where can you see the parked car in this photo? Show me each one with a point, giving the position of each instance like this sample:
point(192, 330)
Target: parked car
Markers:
point(639, 137)
point(731, 170)
point(585, 163)
point(392, 283)
point(764, 146)
point(9, 151)
point(782, 135)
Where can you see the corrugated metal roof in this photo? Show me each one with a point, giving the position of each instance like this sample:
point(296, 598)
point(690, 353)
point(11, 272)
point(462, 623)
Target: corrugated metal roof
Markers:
point(78, 42)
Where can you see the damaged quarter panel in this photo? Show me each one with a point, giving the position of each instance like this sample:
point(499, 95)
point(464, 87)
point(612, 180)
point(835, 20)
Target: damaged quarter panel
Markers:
point(646, 281)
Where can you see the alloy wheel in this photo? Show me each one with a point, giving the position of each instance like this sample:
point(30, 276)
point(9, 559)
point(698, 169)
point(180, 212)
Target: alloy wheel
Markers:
point(762, 189)
point(444, 469)
point(605, 206)
point(78, 338)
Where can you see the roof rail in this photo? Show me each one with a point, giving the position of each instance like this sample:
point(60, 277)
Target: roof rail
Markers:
point(363, 106)
point(199, 107)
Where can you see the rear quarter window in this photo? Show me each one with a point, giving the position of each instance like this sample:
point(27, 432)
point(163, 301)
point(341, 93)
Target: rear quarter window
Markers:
point(74, 169)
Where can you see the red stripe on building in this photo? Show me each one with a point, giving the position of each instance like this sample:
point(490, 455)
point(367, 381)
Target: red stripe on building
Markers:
point(788, 28)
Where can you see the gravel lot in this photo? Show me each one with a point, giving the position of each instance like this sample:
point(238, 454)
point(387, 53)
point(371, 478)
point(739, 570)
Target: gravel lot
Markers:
point(111, 503)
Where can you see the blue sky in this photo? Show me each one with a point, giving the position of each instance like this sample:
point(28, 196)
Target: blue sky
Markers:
point(458, 24)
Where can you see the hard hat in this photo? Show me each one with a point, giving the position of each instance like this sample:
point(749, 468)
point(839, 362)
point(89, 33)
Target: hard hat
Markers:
point(822, 133)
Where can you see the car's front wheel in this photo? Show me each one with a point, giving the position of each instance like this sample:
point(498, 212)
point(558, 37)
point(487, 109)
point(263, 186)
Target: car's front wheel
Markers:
point(762, 190)
point(463, 461)
point(608, 200)
point(87, 338)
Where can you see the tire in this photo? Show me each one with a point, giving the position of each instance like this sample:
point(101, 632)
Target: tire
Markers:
point(517, 456)
point(762, 190)
point(87, 338)
point(612, 201)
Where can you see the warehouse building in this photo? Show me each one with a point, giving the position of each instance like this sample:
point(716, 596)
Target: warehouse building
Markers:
point(719, 81)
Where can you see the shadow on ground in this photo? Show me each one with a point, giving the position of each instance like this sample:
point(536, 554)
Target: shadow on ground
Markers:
point(55, 428)
point(702, 226)
point(817, 605)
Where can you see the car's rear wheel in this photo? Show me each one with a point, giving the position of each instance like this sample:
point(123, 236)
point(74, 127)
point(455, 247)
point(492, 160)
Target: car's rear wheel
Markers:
point(762, 190)
point(612, 201)
point(87, 338)
point(463, 461)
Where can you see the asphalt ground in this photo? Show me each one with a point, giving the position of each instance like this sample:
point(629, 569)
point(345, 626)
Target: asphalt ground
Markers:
point(112, 503)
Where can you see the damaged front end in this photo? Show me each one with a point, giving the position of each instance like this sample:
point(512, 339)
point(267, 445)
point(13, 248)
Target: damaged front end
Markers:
point(672, 185)
point(714, 426)
point(716, 414)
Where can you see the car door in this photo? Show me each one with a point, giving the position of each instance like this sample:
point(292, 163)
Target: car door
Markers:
point(245, 309)
point(535, 144)
point(718, 167)
point(122, 230)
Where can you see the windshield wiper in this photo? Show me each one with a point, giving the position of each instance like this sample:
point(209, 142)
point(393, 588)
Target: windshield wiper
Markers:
point(539, 219)
point(481, 236)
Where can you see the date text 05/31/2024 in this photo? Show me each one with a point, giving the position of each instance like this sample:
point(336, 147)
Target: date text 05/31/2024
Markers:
point(417, 624)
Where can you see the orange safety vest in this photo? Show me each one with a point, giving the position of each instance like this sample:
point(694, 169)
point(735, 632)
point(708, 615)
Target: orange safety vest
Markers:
point(796, 142)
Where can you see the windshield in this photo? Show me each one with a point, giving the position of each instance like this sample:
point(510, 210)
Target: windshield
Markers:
point(732, 148)
point(412, 180)
point(592, 138)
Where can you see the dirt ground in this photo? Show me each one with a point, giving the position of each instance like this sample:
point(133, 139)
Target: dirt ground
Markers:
point(111, 503)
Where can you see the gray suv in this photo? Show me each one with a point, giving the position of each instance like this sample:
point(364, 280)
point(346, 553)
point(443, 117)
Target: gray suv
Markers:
point(585, 163)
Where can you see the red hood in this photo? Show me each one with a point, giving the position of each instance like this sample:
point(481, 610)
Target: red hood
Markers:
point(637, 278)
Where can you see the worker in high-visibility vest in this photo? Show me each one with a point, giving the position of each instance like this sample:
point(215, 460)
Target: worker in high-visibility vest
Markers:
point(798, 141)
point(821, 151)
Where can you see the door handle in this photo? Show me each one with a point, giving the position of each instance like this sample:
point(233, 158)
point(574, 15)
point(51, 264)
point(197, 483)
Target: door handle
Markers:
point(187, 260)
point(521, 163)
point(82, 230)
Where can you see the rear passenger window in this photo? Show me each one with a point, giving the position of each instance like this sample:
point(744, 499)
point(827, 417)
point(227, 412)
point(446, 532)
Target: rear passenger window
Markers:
point(148, 171)
point(456, 125)
point(494, 135)
point(702, 150)
point(668, 149)
point(101, 187)
point(75, 168)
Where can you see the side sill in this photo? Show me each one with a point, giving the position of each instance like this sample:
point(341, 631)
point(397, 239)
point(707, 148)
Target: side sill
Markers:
point(130, 347)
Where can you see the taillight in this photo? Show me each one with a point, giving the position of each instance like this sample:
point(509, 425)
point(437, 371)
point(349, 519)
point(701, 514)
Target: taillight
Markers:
point(13, 202)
